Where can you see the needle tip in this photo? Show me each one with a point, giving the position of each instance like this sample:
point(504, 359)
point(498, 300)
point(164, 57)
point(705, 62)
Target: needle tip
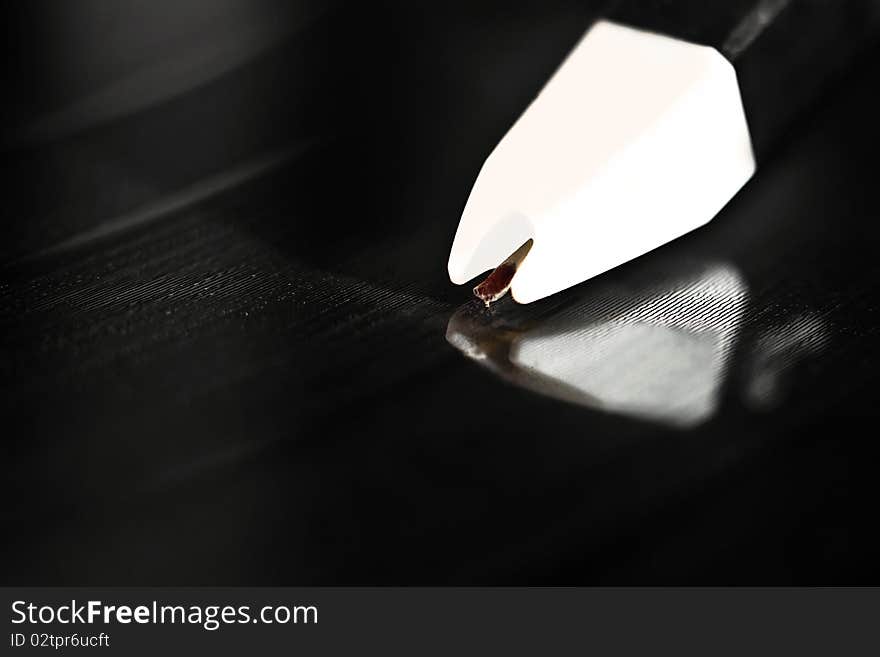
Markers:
point(498, 282)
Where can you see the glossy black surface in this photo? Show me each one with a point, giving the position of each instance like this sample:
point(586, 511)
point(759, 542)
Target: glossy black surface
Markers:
point(254, 382)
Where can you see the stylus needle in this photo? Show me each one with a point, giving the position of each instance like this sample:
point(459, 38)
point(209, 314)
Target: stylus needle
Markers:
point(498, 282)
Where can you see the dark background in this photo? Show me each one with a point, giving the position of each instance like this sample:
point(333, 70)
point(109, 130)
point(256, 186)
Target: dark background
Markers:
point(225, 308)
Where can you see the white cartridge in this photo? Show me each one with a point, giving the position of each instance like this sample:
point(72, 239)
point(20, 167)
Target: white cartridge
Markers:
point(637, 139)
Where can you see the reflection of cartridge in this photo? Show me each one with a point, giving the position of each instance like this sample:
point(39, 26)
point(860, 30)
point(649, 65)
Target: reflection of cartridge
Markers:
point(655, 352)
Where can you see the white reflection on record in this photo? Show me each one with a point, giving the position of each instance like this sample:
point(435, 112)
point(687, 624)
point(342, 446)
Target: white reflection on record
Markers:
point(657, 351)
